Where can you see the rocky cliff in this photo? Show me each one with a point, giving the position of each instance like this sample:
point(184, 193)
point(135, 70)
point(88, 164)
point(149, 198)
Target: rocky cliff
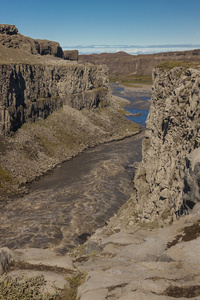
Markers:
point(33, 86)
point(172, 133)
point(29, 92)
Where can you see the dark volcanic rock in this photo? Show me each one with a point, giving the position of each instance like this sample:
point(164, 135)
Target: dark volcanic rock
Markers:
point(71, 55)
point(45, 47)
point(8, 29)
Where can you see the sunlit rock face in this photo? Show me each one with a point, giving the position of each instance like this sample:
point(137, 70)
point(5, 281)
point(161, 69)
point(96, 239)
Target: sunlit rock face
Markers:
point(172, 132)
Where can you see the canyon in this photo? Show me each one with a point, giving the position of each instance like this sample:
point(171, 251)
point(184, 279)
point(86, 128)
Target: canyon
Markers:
point(51, 110)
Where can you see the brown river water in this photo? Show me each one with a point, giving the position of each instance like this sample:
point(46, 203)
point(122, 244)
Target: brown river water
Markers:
point(64, 207)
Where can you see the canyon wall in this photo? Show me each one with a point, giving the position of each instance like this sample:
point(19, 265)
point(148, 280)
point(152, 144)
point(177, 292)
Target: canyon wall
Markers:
point(30, 92)
point(165, 178)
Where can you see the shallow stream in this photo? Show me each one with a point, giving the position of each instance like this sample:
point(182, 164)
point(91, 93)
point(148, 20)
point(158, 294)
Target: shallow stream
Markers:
point(65, 206)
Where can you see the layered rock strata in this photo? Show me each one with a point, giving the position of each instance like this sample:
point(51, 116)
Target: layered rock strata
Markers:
point(172, 132)
point(31, 92)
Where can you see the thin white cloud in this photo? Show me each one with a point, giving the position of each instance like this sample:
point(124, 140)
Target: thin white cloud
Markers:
point(132, 49)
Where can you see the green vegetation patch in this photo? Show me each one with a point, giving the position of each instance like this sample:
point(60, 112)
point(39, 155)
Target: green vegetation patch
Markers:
point(5, 178)
point(132, 80)
point(151, 225)
point(49, 145)
point(168, 65)
point(33, 288)
point(70, 292)
point(22, 289)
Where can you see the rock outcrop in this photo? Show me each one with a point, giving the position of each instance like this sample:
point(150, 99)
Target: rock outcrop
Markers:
point(8, 29)
point(71, 55)
point(172, 132)
point(11, 38)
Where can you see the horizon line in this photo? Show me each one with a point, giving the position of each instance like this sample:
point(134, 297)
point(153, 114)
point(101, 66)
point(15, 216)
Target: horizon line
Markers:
point(134, 46)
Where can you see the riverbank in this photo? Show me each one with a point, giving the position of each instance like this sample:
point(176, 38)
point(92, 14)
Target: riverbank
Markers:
point(37, 148)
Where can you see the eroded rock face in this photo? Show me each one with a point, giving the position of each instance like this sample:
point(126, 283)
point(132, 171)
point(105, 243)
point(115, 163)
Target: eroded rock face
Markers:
point(11, 38)
point(172, 132)
point(8, 29)
point(30, 92)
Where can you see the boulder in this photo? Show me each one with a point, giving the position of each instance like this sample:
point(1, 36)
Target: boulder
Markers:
point(71, 55)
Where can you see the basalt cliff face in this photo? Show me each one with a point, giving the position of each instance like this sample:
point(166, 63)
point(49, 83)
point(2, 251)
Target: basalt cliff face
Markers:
point(168, 176)
point(33, 86)
point(31, 92)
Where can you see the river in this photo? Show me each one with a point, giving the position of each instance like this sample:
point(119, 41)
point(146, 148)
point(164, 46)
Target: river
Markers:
point(64, 207)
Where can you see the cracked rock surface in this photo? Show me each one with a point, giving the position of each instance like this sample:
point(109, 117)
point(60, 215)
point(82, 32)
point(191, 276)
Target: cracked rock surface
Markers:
point(142, 263)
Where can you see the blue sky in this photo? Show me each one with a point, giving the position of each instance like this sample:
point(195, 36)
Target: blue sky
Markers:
point(142, 26)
